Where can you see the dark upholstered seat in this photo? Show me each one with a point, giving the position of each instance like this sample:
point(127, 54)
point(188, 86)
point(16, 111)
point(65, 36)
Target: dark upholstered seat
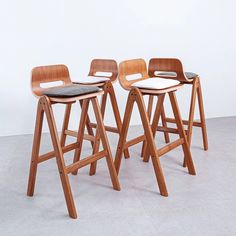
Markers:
point(189, 75)
point(70, 91)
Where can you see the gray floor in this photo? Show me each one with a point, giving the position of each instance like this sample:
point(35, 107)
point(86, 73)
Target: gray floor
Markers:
point(197, 205)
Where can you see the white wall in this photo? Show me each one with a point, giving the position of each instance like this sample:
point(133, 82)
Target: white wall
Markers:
point(200, 33)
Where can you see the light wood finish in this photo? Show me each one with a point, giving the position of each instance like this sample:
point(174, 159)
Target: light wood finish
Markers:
point(138, 66)
point(45, 107)
point(174, 65)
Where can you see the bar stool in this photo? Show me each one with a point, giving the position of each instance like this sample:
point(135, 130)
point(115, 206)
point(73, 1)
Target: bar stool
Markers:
point(172, 68)
point(138, 88)
point(103, 73)
point(66, 94)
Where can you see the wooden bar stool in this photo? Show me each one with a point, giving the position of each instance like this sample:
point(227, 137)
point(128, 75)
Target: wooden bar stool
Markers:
point(172, 68)
point(103, 73)
point(150, 86)
point(66, 94)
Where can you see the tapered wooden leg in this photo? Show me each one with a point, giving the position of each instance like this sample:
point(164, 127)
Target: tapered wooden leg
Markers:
point(179, 123)
point(59, 157)
point(88, 124)
point(93, 165)
point(202, 117)
point(149, 113)
point(116, 113)
point(35, 149)
point(124, 130)
point(151, 144)
point(164, 124)
point(81, 129)
point(103, 135)
point(191, 111)
point(156, 119)
point(191, 114)
point(65, 124)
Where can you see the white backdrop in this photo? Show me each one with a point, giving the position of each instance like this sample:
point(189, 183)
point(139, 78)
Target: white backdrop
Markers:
point(73, 32)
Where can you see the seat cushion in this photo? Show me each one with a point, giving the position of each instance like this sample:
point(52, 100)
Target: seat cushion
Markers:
point(92, 80)
point(73, 90)
point(156, 83)
point(189, 75)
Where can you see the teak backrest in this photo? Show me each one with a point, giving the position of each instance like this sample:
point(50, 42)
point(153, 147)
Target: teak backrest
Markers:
point(47, 74)
point(132, 67)
point(167, 65)
point(104, 65)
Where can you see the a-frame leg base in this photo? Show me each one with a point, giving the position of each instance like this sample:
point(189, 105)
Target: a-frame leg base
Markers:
point(136, 96)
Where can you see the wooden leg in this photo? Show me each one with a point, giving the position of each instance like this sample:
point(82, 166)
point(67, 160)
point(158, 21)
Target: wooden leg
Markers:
point(151, 144)
point(88, 124)
point(202, 117)
point(59, 157)
point(103, 135)
point(116, 113)
point(164, 124)
point(179, 123)
point(191, 114)
point(35, 149)
point(156, 119)
point(149, 113)
point(81, 129)
point(65, 124)
point(124, 130)
point(93, 165)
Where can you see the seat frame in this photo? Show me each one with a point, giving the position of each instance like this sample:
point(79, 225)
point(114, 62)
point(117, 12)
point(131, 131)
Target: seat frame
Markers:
point(138, 66)
point(60, 73)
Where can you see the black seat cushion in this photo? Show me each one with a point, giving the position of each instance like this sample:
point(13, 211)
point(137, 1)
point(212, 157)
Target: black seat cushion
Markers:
point(190, 75)
point(67, 91)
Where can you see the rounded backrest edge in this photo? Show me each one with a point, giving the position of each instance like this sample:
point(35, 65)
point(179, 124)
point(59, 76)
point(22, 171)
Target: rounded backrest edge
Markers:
point(173, 65)
point(104, 65)
point(132, 67)
point(48, 74)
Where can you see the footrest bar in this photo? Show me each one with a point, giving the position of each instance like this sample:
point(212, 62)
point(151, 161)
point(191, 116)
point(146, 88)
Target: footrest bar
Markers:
point(170, 147)
point(185, 122)
point(75, 134)
point(107, 128)
point(134, 141)
point(52, 154)
point(86, 161)
point(167, 129)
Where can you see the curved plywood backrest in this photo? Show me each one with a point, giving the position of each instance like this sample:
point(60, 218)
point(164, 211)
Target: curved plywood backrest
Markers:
point(131, 71)
point(44, 77)
point(104, 68)
point(170, 68)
